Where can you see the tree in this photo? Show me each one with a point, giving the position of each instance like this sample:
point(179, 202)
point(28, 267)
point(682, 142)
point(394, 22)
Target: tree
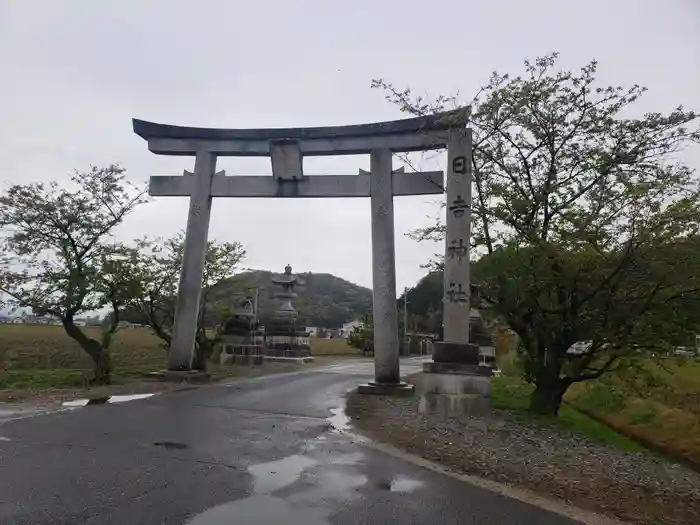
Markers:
point(425, 303)
point(362, 336)
point(157, 272)
point(58, 258)
point(575, 201)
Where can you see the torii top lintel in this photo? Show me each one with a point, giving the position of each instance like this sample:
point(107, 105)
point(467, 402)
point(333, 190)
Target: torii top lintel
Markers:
point(413, 134)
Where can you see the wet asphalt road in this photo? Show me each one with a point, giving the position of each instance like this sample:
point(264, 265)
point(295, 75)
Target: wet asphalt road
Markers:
point(251, 452)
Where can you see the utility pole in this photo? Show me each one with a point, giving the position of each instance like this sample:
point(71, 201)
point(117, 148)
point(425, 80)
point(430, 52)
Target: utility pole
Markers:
point(257, 302)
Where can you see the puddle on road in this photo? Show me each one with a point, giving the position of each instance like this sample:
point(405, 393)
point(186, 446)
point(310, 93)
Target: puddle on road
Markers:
point(400, 484)
point(334, 483)
point(262, 507)
point(272, 476)
point(339, 420)
point(404, 485)
point(105, 400)
point(319, 493)
point(2, 438)
point(259, 510)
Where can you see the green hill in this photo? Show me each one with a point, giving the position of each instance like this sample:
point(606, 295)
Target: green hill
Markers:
point(324, 300)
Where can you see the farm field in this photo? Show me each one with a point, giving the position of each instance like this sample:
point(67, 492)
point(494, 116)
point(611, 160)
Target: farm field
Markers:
point(40, 356)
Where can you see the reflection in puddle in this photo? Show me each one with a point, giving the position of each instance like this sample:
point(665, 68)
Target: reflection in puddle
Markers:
point(260, 510)
point(339, 420)
point(314, 488)
point(338, 483)
point(104, 399)
point(4, 439)
point(405, 485)
point(304, 488)
point(272, 476)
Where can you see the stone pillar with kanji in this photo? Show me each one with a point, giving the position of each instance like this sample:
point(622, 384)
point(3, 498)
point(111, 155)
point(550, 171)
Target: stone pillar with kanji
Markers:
point(456, 354)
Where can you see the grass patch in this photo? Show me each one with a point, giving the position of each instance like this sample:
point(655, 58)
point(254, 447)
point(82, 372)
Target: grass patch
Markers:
point(605, 398)
point(332, 347)
point(644, 416)
point(512, 393)
point(42, 379)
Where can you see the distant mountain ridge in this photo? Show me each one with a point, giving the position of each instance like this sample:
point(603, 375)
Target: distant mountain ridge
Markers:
point(323, 299)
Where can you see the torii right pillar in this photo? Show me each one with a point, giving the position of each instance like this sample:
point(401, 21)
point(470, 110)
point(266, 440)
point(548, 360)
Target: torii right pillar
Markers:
point(456, 368)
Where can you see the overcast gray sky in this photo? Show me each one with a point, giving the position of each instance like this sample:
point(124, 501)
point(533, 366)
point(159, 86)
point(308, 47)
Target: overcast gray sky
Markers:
point(74, 73)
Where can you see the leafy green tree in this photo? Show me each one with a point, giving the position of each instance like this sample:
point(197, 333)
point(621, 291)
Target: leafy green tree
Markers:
point(59, 258)
point(362, 336)
point(425, 303)
point(575, 199)
point(156, 271)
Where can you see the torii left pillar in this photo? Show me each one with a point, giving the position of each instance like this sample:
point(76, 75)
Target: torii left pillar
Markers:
point(195, 249)
point(387, 376)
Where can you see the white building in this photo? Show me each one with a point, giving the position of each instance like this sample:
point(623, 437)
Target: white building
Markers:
point(312, 330)
point(349, 327)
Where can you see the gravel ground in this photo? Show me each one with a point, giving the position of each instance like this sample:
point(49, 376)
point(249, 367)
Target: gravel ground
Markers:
point(633, 487)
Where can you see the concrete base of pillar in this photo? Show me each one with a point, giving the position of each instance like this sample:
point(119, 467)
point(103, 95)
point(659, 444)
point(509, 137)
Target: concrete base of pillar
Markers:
point(432, 367)
point(282, 359)
point(387, 389)
point(454, 384)
point(181, 376)
point(462, 405)
point(445, 352)
point(454, 388)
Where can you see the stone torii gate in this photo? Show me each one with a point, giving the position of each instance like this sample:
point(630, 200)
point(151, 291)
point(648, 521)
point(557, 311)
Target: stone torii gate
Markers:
point(286, 149)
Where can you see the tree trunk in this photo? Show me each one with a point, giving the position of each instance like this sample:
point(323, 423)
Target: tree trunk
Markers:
point(102, 363)
point(101, 359)
point(547, 397)
point(204, 349)
point(201, 356)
